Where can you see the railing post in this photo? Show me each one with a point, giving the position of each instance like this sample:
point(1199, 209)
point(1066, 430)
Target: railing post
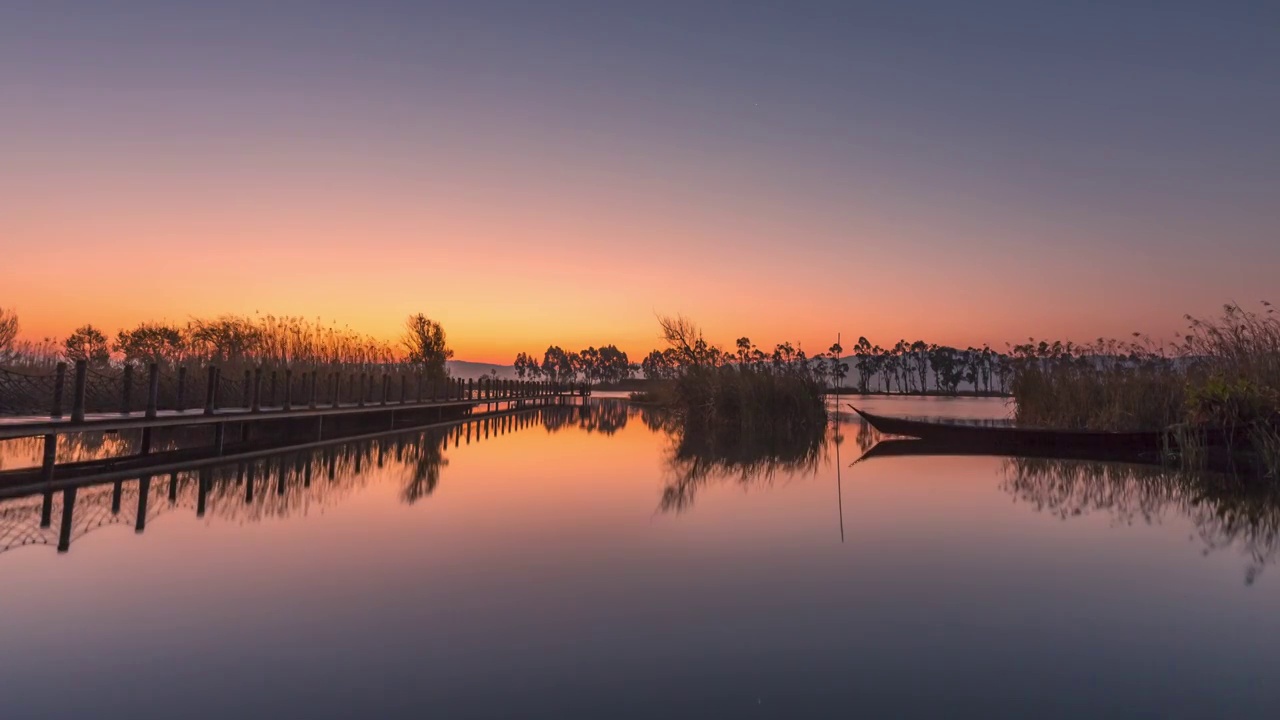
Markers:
point(471, 388)
point(360, 400)
point(419, 375)
point(404, 388)
point(386, 388)
point(153, 389)
point(59, 380)
point(127, 390)
point(211, 390)
point(182, 389)
point(273, 389)
point(312, 403)
point(335, 395)
point(288, 388)
point(256, 403)
point(78, 391)
point(248, 389)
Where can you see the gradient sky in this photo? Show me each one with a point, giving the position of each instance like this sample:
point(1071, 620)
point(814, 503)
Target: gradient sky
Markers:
point(536, 172)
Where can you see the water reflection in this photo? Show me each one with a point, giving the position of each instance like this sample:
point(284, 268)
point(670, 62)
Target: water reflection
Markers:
point(1226, 512)
point(273, 486)
point(1226, 515)
point(698, 456)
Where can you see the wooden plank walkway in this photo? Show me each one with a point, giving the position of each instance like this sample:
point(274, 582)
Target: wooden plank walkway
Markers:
point(32, 426)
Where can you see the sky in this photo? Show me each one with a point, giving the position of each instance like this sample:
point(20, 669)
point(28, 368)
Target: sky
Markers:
point(532, 173)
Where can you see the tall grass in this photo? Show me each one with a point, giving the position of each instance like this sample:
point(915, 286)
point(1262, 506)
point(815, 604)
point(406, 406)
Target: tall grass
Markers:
point(1222, 378)
point(751, 394)
point(229, 340)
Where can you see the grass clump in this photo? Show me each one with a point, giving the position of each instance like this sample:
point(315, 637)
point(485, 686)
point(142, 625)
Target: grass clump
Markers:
point(716, 391)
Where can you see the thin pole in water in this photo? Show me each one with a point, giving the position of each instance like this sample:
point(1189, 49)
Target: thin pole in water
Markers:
point(839, 488)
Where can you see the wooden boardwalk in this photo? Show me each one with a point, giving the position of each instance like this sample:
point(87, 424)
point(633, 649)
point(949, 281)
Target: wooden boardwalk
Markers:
point(373, 409)
point(34, 425)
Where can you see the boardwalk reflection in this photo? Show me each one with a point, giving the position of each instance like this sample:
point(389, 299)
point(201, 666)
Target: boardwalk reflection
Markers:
point(281, 485)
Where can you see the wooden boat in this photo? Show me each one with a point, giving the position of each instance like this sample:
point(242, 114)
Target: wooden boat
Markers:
point(985, 439)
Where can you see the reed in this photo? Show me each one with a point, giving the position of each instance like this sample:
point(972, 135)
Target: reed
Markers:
point(1221, 377)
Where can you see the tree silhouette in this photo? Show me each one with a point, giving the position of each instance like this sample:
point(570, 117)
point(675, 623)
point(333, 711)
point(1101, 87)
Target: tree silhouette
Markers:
point(87, 343)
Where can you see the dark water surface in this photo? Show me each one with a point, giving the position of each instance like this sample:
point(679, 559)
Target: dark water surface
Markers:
point(574, 564)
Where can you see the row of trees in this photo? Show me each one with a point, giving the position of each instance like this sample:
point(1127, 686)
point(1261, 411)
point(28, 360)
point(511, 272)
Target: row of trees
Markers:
point(261, 340)
point(607, 364)
point(906, 367)
point(911, 366)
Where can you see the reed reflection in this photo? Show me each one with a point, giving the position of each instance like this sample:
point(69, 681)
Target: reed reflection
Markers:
point(698, 455)
point(1226, 512)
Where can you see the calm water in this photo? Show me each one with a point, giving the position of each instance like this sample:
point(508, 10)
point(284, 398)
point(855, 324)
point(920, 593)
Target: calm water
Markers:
point(577, 565)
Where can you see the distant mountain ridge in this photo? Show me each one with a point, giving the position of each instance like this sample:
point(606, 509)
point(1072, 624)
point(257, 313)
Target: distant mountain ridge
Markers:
point(468, 370)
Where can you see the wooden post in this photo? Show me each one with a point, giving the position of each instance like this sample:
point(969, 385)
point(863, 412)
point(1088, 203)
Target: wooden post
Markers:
point(249, 479)
point(419, 382)
point(117, 489)
point(248, 389)
point(256, 405)
point(127, 389)
point(219, 437)
point(334, 395)
point(173, 487)
point(386, 388)
point(471, 388)
point(153, 389)
point(50, 458)
point(312, 391)
point(210, 390)
point(144, 489)
point(145, 448)
point(59, 380)
point(288, 388)
point(182, 389)
point(404, 388)
point(46, 509)
point(64, 529)
point(272, 403)
point(78, 391)
point(202, 496)
point(360, 401)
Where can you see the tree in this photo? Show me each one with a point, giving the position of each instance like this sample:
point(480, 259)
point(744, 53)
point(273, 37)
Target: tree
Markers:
point(8, 332)
point(556, 365)
point(837, 368)
point(864, 363)
point(656, 365)
point(589, 364)
point(614, 364)
point(225, 338)
point(424, 340)
point(150, 342)
point(87, 343)
point(527, 366)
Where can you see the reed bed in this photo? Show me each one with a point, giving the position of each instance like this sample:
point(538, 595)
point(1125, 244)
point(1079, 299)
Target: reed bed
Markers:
point(1221, 377)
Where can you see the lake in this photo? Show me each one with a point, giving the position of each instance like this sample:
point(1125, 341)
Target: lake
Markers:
point(572, 563)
